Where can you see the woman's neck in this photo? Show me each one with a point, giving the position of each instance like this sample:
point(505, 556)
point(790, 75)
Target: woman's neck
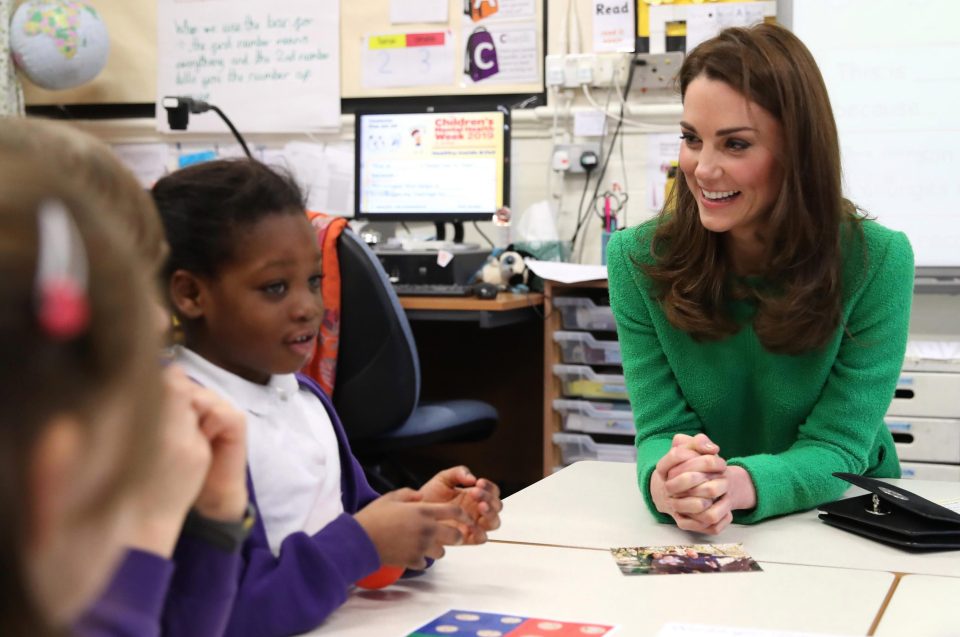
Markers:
point(747, 253)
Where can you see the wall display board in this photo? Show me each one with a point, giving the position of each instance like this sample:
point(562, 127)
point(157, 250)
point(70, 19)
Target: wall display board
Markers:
point(483, 47)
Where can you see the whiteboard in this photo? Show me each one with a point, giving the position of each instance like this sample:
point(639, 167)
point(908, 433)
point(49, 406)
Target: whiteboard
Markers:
point(892, 68)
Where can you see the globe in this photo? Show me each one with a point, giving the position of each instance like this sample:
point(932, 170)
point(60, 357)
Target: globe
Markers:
point(58, 44)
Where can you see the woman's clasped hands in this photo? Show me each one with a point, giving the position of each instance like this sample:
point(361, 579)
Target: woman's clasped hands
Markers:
point(695, 486)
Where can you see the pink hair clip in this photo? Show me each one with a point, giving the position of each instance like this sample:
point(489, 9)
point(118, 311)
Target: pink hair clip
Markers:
point(60, 288)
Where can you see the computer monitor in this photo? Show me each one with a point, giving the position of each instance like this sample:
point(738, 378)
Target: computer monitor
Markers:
point(440, 165)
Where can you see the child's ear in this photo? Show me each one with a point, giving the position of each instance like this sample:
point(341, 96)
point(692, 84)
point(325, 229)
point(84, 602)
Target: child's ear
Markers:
point(186, 294)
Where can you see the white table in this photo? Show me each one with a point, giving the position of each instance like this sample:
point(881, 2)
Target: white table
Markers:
point(586, 586)
point(598, 505)
point(922, 604)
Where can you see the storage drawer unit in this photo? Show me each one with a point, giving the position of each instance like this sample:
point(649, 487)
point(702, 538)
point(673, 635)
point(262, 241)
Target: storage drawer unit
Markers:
point(577, 447)
point(596, 417)
point(581, 313)
point(930, 471)
point(581, 348)
point(926, 439)
point(929, 394)
point(580, 381)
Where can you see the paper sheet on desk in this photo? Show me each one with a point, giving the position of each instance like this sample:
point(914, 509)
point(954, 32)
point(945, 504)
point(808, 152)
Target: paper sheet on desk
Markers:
point(567, 272)
point(703, 630)
point(953, 504)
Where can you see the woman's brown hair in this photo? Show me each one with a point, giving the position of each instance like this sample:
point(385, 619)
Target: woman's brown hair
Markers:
point(799, 306)
point(111, 361)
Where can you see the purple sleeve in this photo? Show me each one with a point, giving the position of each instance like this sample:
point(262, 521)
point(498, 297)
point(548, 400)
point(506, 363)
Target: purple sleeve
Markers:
point(203, 589)
point(133, 601)
point(295, 592)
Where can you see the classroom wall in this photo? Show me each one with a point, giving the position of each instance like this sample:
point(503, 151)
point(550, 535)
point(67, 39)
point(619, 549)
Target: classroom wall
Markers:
point(935, 316)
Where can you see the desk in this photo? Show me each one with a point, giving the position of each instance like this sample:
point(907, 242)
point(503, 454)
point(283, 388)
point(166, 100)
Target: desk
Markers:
point(506, 309)
point(583, 585)
point(921, 600)
point(462, 357)
point(598, 505)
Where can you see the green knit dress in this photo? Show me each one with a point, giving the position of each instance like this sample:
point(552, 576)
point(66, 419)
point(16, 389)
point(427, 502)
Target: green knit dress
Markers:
point(789, 420)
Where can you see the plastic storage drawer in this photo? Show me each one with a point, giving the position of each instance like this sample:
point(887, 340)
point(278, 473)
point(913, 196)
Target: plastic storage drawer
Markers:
point(576, 447)
point(594, 417)
point(580, 313)
point(931, 394)
point(580, 381)
point(922, 471)
point(926, 439)
point(581, 348)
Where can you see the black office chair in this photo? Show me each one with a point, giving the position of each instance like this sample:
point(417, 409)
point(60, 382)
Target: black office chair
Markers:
point(377, 387)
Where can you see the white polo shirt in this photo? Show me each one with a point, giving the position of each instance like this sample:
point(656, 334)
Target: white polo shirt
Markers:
point(292, 449)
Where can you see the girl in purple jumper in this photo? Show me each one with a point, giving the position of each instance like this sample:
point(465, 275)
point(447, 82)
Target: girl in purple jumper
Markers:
point(79, 400)
point(169, 576)
point(244, 279)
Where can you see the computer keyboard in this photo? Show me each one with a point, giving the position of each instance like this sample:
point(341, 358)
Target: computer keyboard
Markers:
point(432, 289)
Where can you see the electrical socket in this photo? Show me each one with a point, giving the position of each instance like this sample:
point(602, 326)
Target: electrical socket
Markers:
point(598, 70)
point(656, 70)
point(574, 151)
point(611, 69)
point(585, 69)
point(554, 70)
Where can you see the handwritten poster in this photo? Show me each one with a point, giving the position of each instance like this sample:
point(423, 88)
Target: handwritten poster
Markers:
point(270, 66)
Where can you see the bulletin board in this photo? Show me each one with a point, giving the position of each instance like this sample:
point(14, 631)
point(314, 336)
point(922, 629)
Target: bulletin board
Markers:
point(131, 71)
point(376, 51)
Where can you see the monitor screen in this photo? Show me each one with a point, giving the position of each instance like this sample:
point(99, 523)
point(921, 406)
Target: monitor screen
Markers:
point(436, 166)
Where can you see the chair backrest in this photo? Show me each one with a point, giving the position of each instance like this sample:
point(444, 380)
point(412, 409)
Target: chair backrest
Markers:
point(378, 370)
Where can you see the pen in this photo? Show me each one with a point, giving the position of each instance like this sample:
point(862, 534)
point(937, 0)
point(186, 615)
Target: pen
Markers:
point(606, 213)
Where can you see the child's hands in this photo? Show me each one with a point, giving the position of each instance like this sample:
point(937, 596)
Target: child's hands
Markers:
point(479, 498)
point(223, 495)
point(406, 530)
point(183, 458)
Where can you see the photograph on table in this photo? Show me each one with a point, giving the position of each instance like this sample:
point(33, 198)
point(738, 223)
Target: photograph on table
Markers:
point(683, 558)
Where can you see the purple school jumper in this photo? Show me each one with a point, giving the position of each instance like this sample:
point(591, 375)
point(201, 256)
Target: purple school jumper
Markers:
point(277, 596)
point(192, 594)
point(295, 592)
point(133, 601)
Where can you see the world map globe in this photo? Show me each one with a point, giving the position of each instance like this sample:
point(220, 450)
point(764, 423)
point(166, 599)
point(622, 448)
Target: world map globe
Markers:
point(58, 44)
